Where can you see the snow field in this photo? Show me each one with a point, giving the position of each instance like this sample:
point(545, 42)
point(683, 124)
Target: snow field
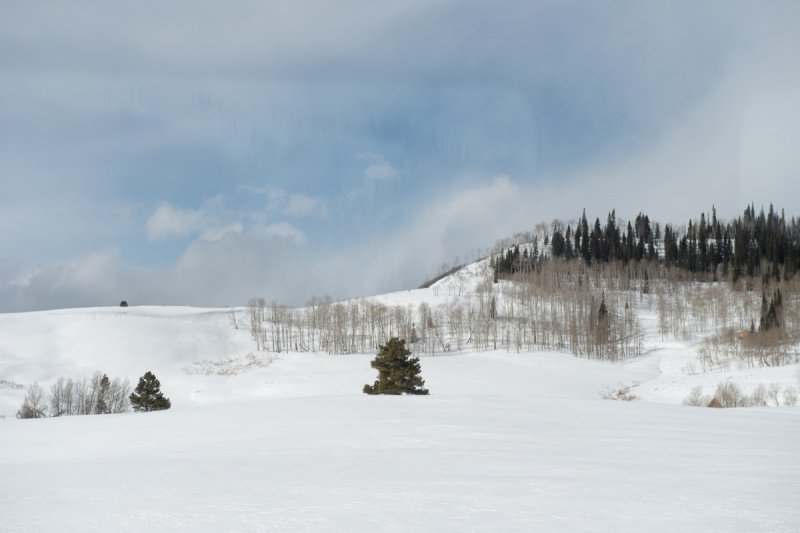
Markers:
point(287, 442)
point(506, 447)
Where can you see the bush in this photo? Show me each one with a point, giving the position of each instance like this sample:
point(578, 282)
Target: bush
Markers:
point(729, 394)
point(397, 372)
point(759, 397)
point(790, 397)
point(696, 398)
point(714, 403)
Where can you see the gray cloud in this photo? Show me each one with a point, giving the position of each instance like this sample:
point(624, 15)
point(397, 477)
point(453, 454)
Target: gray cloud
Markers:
point(168, 221)
point(227, 271)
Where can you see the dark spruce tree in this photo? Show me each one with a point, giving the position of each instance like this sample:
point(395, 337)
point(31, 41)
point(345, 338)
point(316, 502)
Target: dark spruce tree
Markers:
point(101, 405)
point(147, 395)
point(397, 372)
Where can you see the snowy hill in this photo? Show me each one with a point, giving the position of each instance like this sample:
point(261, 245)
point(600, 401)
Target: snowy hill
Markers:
point(270, 441)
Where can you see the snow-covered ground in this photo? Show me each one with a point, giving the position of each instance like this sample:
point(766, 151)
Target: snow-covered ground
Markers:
point(287, 442)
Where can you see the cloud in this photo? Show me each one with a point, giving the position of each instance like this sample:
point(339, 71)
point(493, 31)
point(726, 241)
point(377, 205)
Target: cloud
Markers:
point(265, 262)
point(462, 223)
point(215, 233)
point(378, 169)
point(215, 218)
point(283, 230)
point(638, 106)
point(90, 280)
point(731, 147)
point(168, 221)
point(300, 205)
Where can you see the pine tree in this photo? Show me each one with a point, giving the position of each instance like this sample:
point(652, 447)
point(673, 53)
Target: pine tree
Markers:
point(101, 406)
point(602, 328)
point(586, 252)
point(602, 311)
point(397, 372)
point(147, 395)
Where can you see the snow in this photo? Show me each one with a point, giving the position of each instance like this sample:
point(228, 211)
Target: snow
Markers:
point(287, 442)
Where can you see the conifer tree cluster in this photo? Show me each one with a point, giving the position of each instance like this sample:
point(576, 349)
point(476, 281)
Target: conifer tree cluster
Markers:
point(770, 313)
point(397, 372)
point(752, 244)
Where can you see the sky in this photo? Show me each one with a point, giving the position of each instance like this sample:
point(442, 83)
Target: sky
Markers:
point(203, 153)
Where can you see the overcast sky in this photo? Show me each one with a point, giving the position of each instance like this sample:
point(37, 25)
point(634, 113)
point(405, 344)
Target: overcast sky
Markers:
point(201, 153)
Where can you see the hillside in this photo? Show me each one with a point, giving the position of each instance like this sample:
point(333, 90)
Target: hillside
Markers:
point(259, 440)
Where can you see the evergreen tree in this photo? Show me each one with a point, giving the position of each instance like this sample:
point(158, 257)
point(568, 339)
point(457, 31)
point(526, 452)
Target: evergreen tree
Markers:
point(101, 406)
point(568, 247)
point(558, 246)
point(596, 242)
point(771, 314)
point(602, 328)
point(630, 243)
point(147, 395)
point(397, 372)
point(602, 311)
point(611, 237)
point(585, 251)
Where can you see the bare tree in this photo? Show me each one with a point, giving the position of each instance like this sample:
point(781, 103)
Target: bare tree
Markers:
point(256, 308)
point(118, 396)
point(34, 405)
point(61, 397)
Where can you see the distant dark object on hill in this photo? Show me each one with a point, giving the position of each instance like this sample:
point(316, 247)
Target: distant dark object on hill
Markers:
point(123, 303)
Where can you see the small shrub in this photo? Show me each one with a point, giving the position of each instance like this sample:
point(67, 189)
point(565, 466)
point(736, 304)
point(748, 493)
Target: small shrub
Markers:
point(774, 392)
point(790, 397)
point(624, 393)
point(696, 398)
point(759, 397)
point(714, 403)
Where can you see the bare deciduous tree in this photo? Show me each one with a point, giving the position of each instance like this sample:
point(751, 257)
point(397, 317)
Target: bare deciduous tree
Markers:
point(34, 405)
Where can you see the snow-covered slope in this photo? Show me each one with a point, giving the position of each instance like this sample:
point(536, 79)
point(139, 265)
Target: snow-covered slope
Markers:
point(287, 442)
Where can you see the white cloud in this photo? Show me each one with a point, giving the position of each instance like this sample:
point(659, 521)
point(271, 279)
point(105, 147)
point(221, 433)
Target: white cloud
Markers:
point(282, 230)
point(272, 193)
point(168, 221)
point(378, 169)
point(461, 223)
point(300, 205)
point(214, 219)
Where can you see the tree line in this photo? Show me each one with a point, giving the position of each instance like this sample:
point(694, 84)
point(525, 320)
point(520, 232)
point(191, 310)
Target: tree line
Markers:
point(96, 396)
point(763, 244)
point(579, 291)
